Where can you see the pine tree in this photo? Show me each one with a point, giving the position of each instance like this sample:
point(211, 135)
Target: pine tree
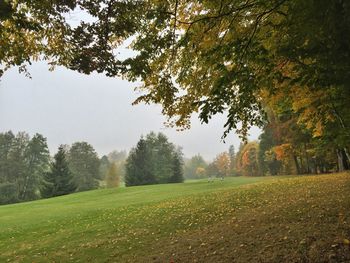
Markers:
point(59, 179)
point(139, 166)
point(177, 171)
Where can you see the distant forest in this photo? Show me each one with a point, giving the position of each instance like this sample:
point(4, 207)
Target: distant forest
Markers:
point(28, 172)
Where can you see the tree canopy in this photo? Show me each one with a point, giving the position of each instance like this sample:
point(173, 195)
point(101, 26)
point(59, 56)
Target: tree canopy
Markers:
point(205, 57)
point(84, 163)
point(154, 160)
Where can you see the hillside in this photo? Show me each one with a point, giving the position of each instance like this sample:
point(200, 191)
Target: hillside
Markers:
point(297, 219)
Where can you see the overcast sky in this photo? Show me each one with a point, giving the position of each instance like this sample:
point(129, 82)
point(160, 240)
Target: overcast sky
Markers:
point(66, 107)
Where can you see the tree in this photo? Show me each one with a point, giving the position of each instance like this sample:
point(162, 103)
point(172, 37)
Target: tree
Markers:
point(37, 158)
point(194, 167)
point(212, 170)
point(59, 181)
point(154, 160)
point(83, 162)
point(113, 176)
point(119, 157)
point(222, 163)
point(177, 171)
point(103, 167)
point(6, 143)
point(232, 155)
point(220, 54)
point(33, 30)
point(139, 169)
point(23, 163)
point(247, 163)
point(205, 57)
point(162, 153)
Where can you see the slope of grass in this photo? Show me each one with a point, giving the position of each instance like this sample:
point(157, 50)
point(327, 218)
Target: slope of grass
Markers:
point(296, 219)
point(43, 229)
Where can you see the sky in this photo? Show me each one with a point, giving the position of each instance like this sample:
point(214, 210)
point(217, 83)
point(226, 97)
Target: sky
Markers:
point(66, 107)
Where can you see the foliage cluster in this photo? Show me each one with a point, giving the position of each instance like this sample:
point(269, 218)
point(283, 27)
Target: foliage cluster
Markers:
point(27, 172)
point(154, 160)
point(23, 164)
point(195, 167)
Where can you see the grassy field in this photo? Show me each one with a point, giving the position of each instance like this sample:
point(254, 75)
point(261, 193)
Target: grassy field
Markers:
point(299, 219)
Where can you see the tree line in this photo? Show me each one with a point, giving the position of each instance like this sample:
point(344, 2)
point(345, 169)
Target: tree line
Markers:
point(274, 153)
point(28, 172)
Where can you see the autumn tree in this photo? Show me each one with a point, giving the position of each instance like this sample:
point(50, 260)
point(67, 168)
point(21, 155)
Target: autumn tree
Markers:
point(195, 167)
point(119, 158)
point(33, 30)
point(113, 176)
point(247, 164)
point(223, 164)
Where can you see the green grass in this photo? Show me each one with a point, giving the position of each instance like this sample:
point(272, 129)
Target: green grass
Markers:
point(240, 219)
point(42, 229)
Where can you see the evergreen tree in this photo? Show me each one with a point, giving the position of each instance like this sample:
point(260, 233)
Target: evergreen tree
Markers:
point(177, 173)
point(154, 160)
point(59, 179)
point(162, 156)
point(139, 166)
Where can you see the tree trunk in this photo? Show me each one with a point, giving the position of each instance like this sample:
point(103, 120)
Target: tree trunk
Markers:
point(342, 124)
point(347, 155)
point(340, 161)
point(307, 160)
point(296, 164)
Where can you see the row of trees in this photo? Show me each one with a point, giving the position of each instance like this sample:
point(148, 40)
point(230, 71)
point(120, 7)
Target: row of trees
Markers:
point(27, 172)
point(278, 152)
point(223, 165)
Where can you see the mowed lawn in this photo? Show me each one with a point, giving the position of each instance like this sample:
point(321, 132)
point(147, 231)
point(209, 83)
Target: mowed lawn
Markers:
point(297, 219)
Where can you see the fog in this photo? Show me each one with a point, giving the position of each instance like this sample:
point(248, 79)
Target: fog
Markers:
point(66, 107)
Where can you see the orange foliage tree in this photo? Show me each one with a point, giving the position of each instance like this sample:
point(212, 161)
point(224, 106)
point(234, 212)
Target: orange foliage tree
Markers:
point(247, 160)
